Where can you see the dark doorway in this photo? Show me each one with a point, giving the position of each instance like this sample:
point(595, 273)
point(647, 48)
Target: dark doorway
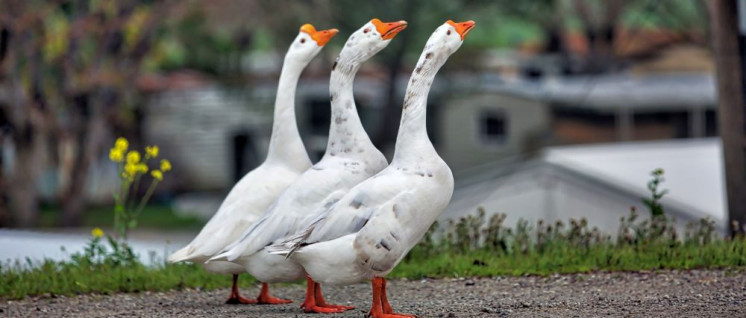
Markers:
point(245, 154)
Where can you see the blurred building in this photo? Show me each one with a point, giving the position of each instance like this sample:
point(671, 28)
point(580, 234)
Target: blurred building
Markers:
point(217, 134)
point(481, 127)
point(211, 133)
point(494, 122)
point(490, 118)
point(599, 183)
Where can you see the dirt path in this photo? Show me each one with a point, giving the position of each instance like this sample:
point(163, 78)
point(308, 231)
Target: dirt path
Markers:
point(665, 294)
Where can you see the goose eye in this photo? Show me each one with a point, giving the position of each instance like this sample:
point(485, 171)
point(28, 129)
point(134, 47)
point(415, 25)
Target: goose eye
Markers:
point(366, 30)
point(302, 40)
point(448, 33)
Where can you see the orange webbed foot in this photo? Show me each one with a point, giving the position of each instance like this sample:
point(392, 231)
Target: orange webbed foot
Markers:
point(322, 310)
point(381, 307)
point(238, 300)
point(344, 308)
point(265, 299)
point(268, 300)
point(391, 315)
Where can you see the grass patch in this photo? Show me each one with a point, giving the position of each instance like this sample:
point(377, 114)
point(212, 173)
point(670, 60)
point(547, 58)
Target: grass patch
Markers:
point(474, 246)
point(68, 278)
point(566, 259)
point(470, 247)
point(153, 216)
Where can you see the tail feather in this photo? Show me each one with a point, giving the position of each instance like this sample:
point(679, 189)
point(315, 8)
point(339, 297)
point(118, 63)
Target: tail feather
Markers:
point(180, 255)
point(291, 244)
point(227, 255)
point(219, 257)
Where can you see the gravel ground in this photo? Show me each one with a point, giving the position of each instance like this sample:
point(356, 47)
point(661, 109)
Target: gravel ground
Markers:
point(662, 294)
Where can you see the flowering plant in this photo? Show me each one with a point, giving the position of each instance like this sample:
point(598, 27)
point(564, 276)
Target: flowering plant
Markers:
point(131, 167)
point(96, 253)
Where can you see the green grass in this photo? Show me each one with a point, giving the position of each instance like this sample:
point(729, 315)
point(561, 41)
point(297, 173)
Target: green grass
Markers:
point(153, 216)
point(471, 247)
point(53, 278)
point(68, 278)
point(565, 259)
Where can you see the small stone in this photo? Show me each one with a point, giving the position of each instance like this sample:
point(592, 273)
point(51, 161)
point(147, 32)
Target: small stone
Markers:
point(469, 283)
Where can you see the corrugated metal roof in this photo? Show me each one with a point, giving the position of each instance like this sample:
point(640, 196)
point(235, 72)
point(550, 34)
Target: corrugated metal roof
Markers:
point(607, 92)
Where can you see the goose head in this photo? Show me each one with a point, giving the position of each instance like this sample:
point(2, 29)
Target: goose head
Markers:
point(446, 39)
point(371, 38)
point(309, 42)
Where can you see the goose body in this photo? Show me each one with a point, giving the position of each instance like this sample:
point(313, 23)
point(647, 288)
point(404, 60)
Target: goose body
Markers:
point(350, 158)
point(372, 227)
point(286, 160)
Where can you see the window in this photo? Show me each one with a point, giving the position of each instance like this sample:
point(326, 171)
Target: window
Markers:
point(493, 127)
point(318, 119)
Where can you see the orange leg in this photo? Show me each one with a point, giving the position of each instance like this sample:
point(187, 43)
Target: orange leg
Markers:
point(384, 299)
point(322, 303)
point(235, 297)
point(315, 301)
point(381, 307)
point(265, 299)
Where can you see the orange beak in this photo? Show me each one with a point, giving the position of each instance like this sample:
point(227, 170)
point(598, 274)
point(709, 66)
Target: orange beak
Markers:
point(388, 30)
point(462, 28)
point(321, 37)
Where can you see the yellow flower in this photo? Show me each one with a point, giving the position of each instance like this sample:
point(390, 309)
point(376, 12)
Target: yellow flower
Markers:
point(141, 167)
point(151, 151)
point(165, 165)
point(97, 232)
point(116, 155)
point(121, 144)
point(130, 170)
point(157, 174)
point(133, 157)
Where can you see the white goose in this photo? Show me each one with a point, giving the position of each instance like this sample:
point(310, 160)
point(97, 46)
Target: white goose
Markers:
point(250, 197)
point(367, 232)
point(350, 158)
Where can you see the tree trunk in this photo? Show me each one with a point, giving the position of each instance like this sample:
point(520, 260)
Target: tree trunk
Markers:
point(89, 131)
point(389, 124)
point(600, 31)
point(730, 81)
point(4, 217)
point(28, 138)
point(26, 118)
point(24, 193)
point(388, 129)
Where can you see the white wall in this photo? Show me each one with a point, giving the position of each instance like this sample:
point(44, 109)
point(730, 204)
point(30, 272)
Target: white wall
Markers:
point(461, 145)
